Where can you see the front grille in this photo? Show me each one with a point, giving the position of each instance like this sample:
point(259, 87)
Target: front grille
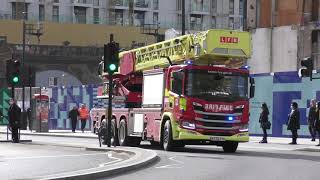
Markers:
point(216, 121)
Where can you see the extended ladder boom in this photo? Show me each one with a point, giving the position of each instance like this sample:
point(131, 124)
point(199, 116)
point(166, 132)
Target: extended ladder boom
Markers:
point(202, 47)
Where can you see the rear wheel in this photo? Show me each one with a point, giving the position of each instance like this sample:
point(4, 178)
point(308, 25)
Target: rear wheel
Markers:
point(124, 139)
point(114, 133)
point(230, 147)
point(122, 133)
point(167, 141)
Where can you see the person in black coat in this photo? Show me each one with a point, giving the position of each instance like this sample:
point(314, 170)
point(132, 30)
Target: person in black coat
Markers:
point(264, 121)
point(14, 114)
point(317, 122)
point(294, 122)
point(311, 118)
point(73, 116)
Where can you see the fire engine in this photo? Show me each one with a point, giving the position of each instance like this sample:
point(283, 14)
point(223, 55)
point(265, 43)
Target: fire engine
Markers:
point(192, 89)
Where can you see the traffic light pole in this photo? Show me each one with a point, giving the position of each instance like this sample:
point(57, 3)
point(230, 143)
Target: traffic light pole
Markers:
point(109, 111)
point(110, 103)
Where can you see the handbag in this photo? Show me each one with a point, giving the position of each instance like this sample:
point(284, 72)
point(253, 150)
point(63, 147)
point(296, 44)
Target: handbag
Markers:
point(267, 125)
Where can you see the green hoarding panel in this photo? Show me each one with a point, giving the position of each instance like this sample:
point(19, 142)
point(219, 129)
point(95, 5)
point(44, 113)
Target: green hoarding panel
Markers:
point(4, 105)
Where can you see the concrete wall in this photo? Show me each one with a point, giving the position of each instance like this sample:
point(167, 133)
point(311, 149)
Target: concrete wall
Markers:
point(284, 51)
point(64, 78)
point(77, 34)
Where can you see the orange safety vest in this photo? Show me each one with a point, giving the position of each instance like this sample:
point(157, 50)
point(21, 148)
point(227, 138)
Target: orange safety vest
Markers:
point(84, 114)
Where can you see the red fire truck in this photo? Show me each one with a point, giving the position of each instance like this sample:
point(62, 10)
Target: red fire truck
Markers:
point(193, 89)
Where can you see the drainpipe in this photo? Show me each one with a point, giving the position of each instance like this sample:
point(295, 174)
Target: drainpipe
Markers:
point(271, 34)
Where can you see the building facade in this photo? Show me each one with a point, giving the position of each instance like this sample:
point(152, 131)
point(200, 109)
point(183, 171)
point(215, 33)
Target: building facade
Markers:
point(200, 14)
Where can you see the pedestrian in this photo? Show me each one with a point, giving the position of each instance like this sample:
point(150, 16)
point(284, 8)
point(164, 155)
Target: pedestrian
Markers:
point(311, 119)
point(264, 122)
point(94, 117)
point(294, 122)
point(29, 115)
point(317, 122)
point(73, 116)
point(14, 114)
point(84, 114)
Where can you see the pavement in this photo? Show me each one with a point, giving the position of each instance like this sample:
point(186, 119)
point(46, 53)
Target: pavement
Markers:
point(304, 144)
point(91, 162)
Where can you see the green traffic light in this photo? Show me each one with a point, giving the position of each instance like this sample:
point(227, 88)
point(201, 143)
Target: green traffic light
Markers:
point(112, 67)
point(15, 79)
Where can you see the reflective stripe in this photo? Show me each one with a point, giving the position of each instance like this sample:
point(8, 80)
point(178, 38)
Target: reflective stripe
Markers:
point(218, 121)
point(218, 114)
point(217, 128)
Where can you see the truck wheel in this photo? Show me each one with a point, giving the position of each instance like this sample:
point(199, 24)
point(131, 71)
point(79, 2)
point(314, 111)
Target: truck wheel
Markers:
point(167, 141)
point(114, 132)
point(122, 134)
point(230, 147)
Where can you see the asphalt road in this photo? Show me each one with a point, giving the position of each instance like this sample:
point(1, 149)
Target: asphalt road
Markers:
point(251, 162)
point(30, 160)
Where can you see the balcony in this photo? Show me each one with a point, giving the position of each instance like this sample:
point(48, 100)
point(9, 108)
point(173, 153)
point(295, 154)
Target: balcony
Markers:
point(199, 9)
point(83, 3)
point(142, 5)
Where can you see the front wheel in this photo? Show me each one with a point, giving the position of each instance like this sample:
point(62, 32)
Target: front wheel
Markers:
point(230, 147)
point(167, 141)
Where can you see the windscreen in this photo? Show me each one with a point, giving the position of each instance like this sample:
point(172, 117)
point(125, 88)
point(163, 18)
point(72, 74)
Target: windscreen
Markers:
point(208, 85)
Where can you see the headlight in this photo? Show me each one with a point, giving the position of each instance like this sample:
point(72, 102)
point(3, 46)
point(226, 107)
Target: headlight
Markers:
point(244, 128)
point(188, 125)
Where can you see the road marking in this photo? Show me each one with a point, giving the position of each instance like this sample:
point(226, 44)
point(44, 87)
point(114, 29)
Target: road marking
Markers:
point(39, 157)
point(111, 162)
point(178, 164)
point(266, 148)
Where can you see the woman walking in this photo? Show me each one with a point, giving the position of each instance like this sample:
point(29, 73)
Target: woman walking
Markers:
point(264, 122)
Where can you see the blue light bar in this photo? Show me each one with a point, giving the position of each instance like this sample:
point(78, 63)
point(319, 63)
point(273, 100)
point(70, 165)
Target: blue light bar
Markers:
point(230, 118)
point(189, 62)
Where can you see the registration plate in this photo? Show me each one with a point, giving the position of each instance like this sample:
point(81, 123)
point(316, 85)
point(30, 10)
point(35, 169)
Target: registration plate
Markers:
point(214, 138)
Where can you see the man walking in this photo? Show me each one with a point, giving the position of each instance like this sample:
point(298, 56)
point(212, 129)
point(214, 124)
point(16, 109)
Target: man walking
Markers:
point(84, 114)
point(14, 114)
point(73, 116)
point(311, 119)
point(294, 122)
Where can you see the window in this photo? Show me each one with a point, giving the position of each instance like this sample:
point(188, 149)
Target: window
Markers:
point(176, 82)
point(80, 15)
point(96, 19)
point(41, 12)
point(179, 5)
point(155, 18)
point(17, 10)
point(231, 6)
point(196, 22)
point(231, 23)
point(55, 1)
point(241, 7)
point(214, 6)
point(156, 4)
point(119, 17)
point(214, 22)
point(55, 13)
point(96, 2)
point(139, 19)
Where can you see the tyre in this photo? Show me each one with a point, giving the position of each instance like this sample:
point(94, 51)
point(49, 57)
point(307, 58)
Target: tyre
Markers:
point(122, 133)
point(114, 133)
point(167, 141)
point(230, 147)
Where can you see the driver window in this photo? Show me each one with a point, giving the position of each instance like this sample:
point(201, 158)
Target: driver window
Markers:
point(176, 82)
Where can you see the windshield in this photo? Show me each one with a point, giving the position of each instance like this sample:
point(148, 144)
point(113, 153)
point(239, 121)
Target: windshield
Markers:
point(213, 85)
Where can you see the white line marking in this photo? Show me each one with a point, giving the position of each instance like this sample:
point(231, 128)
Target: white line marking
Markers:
point(178, 164)
point(39, 157)
point(266, 148)
point(111, 162)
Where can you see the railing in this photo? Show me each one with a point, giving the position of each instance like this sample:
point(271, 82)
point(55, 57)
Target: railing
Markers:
point(46, 50)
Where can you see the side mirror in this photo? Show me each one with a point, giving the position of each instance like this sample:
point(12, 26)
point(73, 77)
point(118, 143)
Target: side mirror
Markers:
point(252, 87)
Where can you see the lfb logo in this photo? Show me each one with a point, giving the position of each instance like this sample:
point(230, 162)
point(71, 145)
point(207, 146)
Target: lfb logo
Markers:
point(234, 40)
